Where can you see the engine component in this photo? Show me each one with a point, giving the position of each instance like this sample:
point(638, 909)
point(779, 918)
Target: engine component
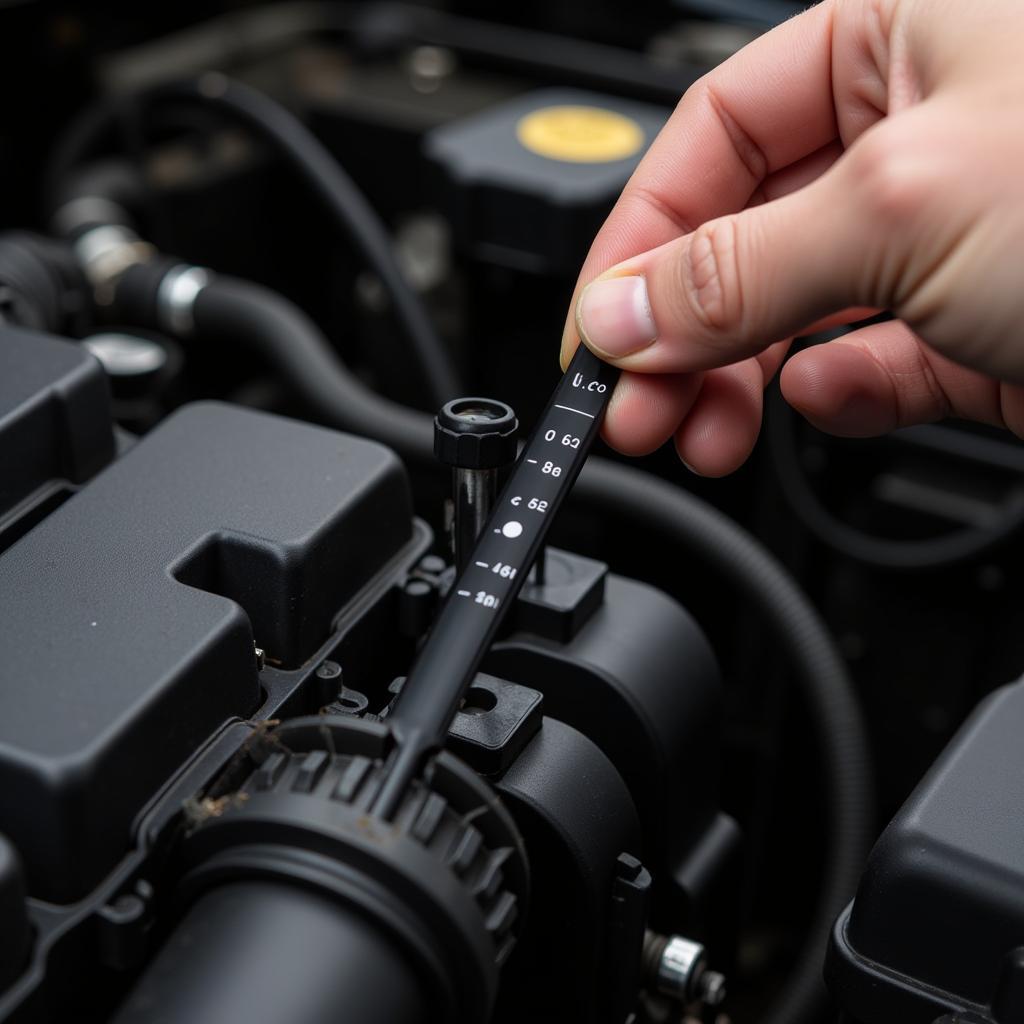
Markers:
point(937, 926)
point(55, 430)
point(477, 438)
point(210, 867)
point(116, 247)
point(435, 893)
point(634, 499)
point(631, 707)
point(14, 922)
point(222, 513)
point(679, 970)
point(276, 522)
point(496, 569)
point(527, 183)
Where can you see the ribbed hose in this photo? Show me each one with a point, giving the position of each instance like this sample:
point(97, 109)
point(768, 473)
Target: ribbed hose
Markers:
point(270, 326)
point(313, 164)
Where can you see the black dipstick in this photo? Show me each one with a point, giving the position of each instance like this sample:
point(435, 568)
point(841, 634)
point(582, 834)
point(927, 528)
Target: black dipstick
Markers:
point(487, 585)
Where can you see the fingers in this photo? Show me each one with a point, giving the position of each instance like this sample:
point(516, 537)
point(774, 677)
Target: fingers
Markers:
point(734, 286)
point(883, 377)
point(722, 427)
point(767, 107)
point(645, 411)
point(714, 417)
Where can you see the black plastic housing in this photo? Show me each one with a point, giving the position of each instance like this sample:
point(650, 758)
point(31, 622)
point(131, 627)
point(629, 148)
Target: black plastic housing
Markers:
point(937, 926)
point(131, 614)
point(55, 425)
point(519, 208)
point(637, 676)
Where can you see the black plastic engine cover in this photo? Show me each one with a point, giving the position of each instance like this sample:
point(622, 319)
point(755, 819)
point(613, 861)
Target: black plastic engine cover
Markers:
point(55, 426)
point(130, 615)
point(938, 923)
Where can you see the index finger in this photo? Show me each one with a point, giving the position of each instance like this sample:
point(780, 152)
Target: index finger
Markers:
point(763, 109)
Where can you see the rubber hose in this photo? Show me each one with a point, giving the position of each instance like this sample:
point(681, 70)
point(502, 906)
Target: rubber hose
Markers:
point(261, 320)
point(288, 136)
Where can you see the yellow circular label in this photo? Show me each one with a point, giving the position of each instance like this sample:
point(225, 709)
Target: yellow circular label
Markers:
point(582, 135)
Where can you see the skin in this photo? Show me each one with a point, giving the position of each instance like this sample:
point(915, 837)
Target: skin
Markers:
point(864, 155)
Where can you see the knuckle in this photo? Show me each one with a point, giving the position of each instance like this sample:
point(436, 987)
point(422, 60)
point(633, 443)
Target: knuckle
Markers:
point(893, 176)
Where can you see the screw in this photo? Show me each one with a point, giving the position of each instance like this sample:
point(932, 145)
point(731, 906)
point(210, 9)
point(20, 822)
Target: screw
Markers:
point(328, 670)
point(676, 968)
point(432, 565)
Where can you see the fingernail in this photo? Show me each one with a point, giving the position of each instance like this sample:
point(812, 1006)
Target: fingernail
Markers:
point(563, 355)
point(689, 467)
point(614, 317)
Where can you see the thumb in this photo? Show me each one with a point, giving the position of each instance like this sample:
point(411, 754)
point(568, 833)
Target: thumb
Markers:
point(734, 286)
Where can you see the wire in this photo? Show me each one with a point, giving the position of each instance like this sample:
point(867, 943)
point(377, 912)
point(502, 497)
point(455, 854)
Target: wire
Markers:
point(319, 170)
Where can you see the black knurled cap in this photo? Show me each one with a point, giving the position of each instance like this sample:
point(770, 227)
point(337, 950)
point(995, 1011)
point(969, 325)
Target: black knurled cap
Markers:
point(475, 433)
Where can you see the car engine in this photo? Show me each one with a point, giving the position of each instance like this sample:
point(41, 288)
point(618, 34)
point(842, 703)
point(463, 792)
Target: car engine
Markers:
point(339, 681)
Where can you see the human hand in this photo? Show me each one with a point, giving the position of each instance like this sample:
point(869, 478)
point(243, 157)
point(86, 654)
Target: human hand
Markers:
point(864, 155)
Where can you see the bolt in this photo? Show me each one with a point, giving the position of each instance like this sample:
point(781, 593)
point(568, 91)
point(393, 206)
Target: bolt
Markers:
point(261, 658)
point(432, 565)
point(676, 968)
point(328, 670)
point(418, 589)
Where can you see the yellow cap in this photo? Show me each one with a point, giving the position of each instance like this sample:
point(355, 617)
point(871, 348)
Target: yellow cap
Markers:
point(582, 135)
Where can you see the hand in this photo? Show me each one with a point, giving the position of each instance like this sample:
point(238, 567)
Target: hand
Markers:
point(867, 154)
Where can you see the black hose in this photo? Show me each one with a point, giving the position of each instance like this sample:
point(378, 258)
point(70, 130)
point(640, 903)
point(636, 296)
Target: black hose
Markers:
point(286, 339)
point(320, 172)
point(282, 335)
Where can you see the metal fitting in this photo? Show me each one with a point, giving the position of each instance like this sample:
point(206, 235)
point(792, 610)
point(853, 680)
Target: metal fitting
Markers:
point(104, 253)
point(176, 296)
point(80, 214)
point(476, 437)
point(677, 968)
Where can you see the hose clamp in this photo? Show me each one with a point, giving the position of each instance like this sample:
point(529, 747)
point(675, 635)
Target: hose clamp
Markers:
point(105, 252)
point(176, 296)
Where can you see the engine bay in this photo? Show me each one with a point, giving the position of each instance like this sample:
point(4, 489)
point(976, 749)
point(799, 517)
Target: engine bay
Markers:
point(329, 692)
